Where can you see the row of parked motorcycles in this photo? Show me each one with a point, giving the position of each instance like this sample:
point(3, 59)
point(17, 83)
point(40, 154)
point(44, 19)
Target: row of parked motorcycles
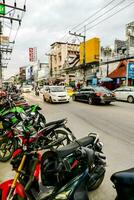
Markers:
point(49, 161)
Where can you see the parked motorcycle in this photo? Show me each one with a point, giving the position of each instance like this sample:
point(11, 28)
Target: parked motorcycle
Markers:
point(73, 186)
point(124, 184)
point(51, 133)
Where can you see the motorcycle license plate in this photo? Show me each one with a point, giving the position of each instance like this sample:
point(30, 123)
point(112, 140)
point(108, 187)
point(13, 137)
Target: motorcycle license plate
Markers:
point(1, 125)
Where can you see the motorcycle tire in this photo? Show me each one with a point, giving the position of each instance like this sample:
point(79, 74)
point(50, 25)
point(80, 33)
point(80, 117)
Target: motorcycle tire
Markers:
point(60, 138)
point(7, 147)
point(96, 184)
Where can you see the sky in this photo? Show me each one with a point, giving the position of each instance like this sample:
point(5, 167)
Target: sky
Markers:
point(48, 21)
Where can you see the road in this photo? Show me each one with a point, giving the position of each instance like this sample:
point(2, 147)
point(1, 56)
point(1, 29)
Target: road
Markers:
point(114, 124)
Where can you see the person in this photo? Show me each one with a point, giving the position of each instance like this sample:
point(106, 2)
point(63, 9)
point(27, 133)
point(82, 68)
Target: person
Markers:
point(78, 85)
point(37, 90)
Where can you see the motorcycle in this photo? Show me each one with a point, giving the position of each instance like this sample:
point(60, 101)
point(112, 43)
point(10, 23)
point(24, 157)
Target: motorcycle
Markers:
point(28, 164)
point(124, 184)
point(51, 133)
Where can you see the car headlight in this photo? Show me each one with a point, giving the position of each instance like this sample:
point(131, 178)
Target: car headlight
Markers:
point(63, 195)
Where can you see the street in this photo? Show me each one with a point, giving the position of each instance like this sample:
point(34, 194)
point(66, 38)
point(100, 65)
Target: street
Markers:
point(115, 125)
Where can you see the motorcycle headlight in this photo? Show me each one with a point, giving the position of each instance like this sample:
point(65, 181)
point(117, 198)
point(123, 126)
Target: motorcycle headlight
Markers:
point(63, 195)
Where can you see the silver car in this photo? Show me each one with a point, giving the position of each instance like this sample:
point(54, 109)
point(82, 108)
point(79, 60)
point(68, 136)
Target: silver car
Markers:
point(125, 93)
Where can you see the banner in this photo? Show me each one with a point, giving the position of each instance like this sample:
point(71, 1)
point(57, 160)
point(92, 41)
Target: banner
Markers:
point(33, 54)
point(130, 69)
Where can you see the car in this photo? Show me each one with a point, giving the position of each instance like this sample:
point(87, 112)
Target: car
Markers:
point(56, 94)
point(43, 88)
point(94, 95)
point(69, 90)
point(125, 93)
point(26, 88)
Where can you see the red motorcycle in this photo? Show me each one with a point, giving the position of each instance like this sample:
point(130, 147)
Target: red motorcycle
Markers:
point(70, 168)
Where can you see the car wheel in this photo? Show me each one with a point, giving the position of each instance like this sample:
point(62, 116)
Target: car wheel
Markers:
point(44, 99)
point(90, 101)
point(130, 99)
point(74, 98)
point(107, 103)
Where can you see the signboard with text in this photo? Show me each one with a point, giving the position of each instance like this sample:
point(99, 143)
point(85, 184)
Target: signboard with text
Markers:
point(2, 9)
point(33, 54)
point(130, 68)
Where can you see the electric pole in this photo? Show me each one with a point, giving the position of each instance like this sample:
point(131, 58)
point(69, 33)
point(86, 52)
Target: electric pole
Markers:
point(6, 15)
point(51, 65)
point(84, 50)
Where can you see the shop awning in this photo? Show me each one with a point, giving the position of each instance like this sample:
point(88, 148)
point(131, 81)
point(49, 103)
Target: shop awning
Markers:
point(120, 71)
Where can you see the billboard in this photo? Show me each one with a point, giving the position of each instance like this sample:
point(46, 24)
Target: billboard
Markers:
point(130, 70)
point(92, 51)
point(32, 54)
point(4, 39)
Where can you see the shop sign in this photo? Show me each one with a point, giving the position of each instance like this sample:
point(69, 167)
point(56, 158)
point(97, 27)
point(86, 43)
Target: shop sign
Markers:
point(130, 69)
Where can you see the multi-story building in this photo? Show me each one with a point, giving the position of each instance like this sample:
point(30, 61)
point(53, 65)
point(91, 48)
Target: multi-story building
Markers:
point(130, 37)
point(61, 58)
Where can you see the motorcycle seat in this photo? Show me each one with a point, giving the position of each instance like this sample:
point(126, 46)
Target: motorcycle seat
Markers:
point(70, 148)
point(125, 177)
point(55, 122)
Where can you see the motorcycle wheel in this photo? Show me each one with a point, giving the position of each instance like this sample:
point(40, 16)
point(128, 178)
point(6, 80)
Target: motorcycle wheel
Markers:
point(7, 147)
point(94, 185)
point(60, 138)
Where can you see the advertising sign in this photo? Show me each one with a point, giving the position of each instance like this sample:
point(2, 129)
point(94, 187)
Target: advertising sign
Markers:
point(130, 68)
point(92, 51)
point(33, 54)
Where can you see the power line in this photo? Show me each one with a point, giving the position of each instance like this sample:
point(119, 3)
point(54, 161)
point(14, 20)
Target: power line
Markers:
point(95, 13)
point(109, 16)
point(118, 4)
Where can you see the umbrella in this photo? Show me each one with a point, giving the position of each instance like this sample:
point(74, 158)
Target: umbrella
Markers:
point(106, 79)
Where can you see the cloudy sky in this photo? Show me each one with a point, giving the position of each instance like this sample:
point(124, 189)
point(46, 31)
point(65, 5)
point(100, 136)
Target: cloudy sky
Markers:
point(48, 21)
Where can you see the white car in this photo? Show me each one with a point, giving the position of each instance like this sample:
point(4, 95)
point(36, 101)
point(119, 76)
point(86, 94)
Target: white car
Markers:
point(26, 88)
point(44, 88)
point(125, 93)
point(56, 94)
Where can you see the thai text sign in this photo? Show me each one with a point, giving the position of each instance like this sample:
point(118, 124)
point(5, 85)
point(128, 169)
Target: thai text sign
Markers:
point(33, 54)
point(2, 9)
point(130, 68)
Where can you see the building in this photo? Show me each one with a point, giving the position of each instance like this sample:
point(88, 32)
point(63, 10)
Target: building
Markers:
point(62, 57)
point(130, 37)
point(43, 73)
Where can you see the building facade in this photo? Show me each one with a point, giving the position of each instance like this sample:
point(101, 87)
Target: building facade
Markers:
point(62, 56)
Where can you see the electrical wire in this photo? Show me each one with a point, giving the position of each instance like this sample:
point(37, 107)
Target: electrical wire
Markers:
point(109, 10)
point(110, 16)
point(92, 15)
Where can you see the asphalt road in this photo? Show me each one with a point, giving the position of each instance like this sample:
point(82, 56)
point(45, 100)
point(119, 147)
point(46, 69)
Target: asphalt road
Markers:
point(114, 124)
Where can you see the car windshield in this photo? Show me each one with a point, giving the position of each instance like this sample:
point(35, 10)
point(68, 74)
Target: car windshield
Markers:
point(101, 89)
point(27, 86)
point(57, 89)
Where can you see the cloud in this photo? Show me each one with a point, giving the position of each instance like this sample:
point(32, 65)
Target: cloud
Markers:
point(46, 21)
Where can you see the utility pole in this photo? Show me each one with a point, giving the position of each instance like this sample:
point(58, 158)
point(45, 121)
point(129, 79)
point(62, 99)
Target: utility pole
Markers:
point(84, 50)
point(7, 16)
point(51, 65)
